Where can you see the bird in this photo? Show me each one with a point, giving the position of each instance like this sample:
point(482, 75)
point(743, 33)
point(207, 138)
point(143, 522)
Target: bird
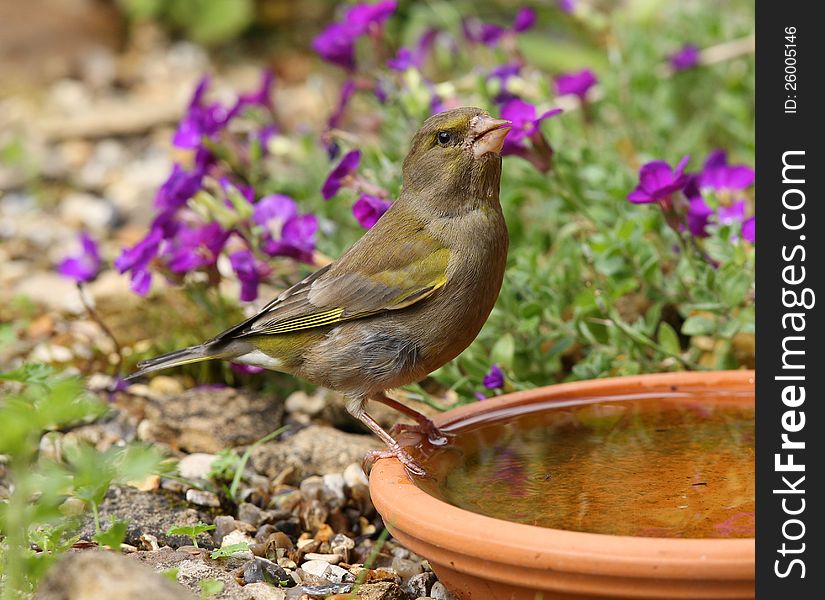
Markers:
point(406, 298)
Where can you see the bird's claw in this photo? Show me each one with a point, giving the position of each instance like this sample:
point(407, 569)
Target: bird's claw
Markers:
point(412, 467)
point(433, 434)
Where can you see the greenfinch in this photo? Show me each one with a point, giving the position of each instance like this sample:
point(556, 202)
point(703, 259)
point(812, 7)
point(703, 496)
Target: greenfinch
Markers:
point(410, 295)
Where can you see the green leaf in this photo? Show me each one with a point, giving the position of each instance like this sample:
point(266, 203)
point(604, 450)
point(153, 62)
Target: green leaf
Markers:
point(229, 550)
point(190, 530)
point(699, 325)
point(668, 338)
point(210, 587)
point(503, 351)
point(114, 536)
point(171, 574)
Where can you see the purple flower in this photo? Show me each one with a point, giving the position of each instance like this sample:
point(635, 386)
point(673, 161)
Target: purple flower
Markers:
point(246, 369)
point(289, 233)
point(177, 189)
point(362, 17)
point(577, 83)
point(347, 90)
point(137, 258)
point(86, 265)
point(698, 217)
point(685, 58)
point(567, 6)
point(336, 177)
point(274, 207)
point(195, 248)
point(336, 44)
point(657, 181)
point(200, 119)
point(749, 229)
point(525, 19)
point(525, 123)
point(260, 97)
point(479, 32)
point(403, 60)
point(494, 379)
point(250, 271)
point(368, 209)
point(719, 176)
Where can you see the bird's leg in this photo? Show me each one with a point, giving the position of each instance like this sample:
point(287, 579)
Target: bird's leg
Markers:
point(355, 407)
point(425, 425)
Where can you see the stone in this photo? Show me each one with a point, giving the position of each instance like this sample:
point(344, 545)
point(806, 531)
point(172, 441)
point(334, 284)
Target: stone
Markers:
point(203, 498)
point(87, 212)
point(405, 567)
point(419, 585)
point(249, 513)
point(332, 559)
point(382, 590)
point(315, 450)
point(150, 513)
point(318, 568)
point(264, 591)
point(301, 402)
point(90, 575)
point(209, 419)
point(440, 592)
point(196, 465)
point(354, 475)
point(52, 291)
point(191, 570)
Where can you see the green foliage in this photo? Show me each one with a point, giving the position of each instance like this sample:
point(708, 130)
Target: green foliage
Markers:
point(228, 551)
point(210, 587)
point(112, 537)
point(193, 531)
point(42, 510)
point(205, 21)
point(230, 466)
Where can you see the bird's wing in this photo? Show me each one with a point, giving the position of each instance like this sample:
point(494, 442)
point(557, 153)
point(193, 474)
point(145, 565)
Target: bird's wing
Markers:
point(367, 280)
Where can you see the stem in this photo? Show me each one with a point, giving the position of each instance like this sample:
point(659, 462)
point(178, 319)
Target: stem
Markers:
point(97, 319)
point(236, 480)
point(96, 517)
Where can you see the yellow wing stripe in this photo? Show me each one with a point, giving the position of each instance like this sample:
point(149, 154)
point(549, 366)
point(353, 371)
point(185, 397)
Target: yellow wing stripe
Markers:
point(316, 320)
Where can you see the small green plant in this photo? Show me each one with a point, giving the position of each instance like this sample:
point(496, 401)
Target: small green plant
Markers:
point(113, 536)
point(228, 464)
point(41, 517)
point(193, 531)
point(229, 550)
point(210, 587)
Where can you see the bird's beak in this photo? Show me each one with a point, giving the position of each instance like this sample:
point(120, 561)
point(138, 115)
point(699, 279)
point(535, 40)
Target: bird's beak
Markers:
point(488, 134)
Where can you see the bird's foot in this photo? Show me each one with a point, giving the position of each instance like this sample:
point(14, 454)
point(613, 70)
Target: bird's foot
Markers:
point(426, 428)
point(412, 467)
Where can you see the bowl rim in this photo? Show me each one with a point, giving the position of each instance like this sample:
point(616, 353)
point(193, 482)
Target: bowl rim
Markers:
point(415, 514)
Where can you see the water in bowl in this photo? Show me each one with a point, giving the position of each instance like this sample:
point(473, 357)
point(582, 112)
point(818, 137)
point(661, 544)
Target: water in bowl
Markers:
point(679, 466)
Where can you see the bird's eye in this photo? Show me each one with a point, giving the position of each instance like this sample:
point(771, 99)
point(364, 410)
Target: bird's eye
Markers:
point(444, 137)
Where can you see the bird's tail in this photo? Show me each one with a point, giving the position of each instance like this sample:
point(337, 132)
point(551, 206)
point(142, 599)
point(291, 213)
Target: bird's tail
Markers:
point(192, 354)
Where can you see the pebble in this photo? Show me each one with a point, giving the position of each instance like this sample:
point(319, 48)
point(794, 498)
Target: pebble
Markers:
point(86, 211)
point(354, 475)
point(334, 482)
point(419, 585)
point(202, 498)
point(406, 568)
point(196, 465)
point(301, 402)
point(263, 591)
point(332, 559)
point(439, 592)
point(237, 537)
point(249, 513)
point(319, 568)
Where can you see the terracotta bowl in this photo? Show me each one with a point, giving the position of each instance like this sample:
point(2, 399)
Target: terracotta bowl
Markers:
point(482, 558)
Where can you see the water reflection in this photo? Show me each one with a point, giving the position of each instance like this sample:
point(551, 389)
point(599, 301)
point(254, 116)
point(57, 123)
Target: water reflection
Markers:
point(661, 467)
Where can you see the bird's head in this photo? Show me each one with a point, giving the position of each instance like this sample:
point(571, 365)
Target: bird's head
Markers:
point(454, 162)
